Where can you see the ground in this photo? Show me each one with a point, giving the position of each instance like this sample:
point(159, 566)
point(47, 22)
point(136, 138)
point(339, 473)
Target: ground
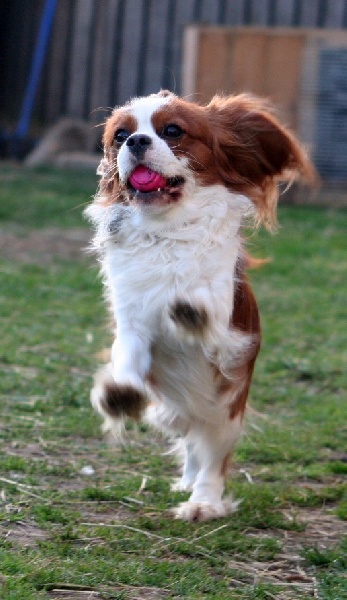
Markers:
point(43, 246)
point(80, 518)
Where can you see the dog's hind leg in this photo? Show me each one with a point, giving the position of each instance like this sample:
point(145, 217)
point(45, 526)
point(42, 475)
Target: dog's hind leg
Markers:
point(191, 468)
point(212, 447)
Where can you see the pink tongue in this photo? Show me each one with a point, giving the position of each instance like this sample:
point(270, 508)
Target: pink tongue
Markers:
point(145, 180)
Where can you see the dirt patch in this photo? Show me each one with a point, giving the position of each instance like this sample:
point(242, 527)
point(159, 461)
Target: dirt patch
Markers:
point(44, 246)
point(74, 595)
point(289, 570)
point(104, 513)
point(132, 593)
point(23, 533)
point(322, 529)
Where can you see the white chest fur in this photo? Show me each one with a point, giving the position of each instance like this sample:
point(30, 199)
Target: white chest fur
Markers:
point(149, 263)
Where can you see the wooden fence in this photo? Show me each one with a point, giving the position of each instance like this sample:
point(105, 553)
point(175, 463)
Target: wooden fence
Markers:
point(102, 52)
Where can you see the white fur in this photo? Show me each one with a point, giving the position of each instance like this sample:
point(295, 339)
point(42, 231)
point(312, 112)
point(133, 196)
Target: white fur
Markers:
point(185, 252)
point(206, 446)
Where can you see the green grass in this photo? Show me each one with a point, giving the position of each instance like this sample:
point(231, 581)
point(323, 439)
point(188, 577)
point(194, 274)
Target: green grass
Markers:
point(44, 197)
point(110, 532)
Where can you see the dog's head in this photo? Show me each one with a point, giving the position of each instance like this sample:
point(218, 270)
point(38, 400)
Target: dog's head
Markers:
point(161, 148)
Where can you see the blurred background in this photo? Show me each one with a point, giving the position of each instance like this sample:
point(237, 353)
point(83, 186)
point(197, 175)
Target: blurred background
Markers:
point(77, 58)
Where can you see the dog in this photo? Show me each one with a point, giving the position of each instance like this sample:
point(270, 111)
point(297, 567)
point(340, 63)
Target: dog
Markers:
point(177, 182)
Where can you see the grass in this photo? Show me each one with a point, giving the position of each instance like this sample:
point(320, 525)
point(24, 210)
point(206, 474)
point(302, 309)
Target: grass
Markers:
point(107, 535)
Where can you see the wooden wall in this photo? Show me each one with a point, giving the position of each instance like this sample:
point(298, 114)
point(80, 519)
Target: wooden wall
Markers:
point(302, 71)
point(102, 52)
point(254, 60)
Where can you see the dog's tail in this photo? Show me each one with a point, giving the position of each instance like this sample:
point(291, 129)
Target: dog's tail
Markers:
point(250, 262)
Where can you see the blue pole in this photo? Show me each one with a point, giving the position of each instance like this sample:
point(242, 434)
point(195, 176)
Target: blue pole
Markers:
point(36, 68)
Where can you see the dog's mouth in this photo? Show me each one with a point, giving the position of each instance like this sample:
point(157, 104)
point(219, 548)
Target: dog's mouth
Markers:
point(149, 187)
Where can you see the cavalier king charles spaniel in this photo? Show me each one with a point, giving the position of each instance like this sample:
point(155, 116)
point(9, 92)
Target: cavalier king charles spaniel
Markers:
point(178, 180)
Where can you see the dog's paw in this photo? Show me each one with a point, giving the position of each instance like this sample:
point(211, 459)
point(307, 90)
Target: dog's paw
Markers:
point(117, 400)
point(188, 320)
point(197, 512)
point(124, 400)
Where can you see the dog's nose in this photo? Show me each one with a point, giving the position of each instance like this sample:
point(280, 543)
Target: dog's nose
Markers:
point(138, 143)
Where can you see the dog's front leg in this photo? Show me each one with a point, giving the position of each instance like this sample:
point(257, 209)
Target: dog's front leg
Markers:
point(202, 312)
point(131, 357)
point(119, 389)
point(204, 316)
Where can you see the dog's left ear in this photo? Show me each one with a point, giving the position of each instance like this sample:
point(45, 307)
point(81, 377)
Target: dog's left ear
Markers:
point(254, 152)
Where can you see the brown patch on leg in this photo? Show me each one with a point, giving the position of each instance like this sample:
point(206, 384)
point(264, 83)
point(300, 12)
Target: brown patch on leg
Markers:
point(245, 318)
point(123, 400)
point(190, 317)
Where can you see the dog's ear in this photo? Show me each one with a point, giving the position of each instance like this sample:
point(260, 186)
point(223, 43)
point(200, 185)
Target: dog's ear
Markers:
point(107, 169)
point(103, 168)
point(107, 181)
point(254, 152)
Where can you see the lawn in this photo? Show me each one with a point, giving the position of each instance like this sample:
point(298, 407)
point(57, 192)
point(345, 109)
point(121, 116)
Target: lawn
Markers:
point(81, 519)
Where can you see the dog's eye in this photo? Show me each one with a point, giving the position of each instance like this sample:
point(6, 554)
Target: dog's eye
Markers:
point(172, 131)
point(120, 136)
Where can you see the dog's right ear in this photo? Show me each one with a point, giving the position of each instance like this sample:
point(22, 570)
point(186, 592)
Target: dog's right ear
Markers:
point(107, 179)
point(107, 169)
point(103, 168)
point(107, 166)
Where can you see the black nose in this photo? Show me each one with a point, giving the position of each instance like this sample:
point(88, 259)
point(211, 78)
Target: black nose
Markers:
point(138, 144)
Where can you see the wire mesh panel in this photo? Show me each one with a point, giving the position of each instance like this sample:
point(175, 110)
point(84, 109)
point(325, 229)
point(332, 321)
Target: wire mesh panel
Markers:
point(331, 126)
